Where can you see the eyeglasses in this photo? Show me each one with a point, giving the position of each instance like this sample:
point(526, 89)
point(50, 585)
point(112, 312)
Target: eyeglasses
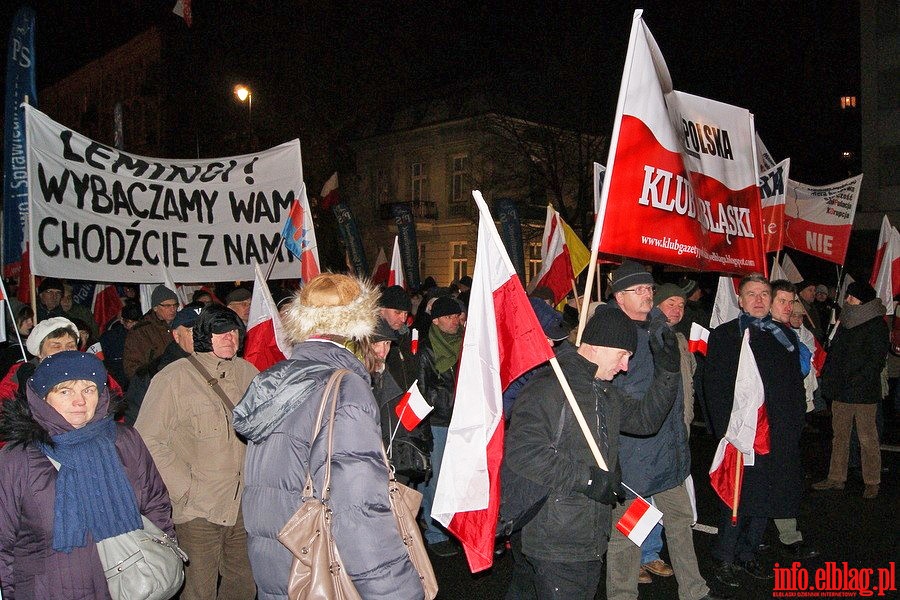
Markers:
point(642, 290)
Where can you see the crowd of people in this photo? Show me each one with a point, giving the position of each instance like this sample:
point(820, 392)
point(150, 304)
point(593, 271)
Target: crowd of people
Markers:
point(157, 414)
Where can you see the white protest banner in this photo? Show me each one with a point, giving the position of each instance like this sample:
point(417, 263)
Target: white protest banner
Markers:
point(101, 214)
point(818, 218)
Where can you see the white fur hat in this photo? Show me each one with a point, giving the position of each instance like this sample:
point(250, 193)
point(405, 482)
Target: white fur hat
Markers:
point(332, 304)
point(44, 328)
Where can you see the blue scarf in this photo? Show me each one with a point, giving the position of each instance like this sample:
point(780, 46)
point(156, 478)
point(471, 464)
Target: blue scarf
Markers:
point(92, 492)
point(767, 324)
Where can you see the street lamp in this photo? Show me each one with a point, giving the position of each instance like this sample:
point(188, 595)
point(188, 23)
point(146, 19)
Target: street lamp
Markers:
point(244, 94)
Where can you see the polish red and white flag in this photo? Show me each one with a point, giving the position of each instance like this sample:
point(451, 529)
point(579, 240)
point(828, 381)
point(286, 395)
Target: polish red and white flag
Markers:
point(886, 268)
point(412, 407)
point(329, 193)
point(725, 306)
point(106, 304)
point(503, 339)
point(637, 522)
point(414, 341)
point(265, 343)
point(395, 275)
point(556, 272)
point(699, 338)
point(382, 269)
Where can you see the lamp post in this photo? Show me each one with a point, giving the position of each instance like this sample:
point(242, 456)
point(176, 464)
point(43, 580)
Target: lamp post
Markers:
point(244, 94)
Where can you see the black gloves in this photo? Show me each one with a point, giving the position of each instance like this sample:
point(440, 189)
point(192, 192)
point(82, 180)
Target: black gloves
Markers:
point(666, 355)
point(603, 486)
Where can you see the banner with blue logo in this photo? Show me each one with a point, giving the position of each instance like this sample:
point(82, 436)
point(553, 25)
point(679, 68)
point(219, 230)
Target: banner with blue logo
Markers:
point(409, 247)
point(352, 240)
point(511, 233)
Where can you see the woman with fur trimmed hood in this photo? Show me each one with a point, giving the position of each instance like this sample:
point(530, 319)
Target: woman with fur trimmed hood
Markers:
point(277, 415)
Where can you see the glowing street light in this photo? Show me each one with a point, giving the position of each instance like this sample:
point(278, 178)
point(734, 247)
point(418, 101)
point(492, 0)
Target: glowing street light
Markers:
point(244, 94)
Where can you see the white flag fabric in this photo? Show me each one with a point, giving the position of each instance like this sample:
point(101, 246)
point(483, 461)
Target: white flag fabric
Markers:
point(395, 277)
point(725, 307)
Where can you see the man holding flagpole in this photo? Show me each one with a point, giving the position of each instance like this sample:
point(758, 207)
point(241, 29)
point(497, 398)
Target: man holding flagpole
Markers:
point(771, 488)
point(564, 543)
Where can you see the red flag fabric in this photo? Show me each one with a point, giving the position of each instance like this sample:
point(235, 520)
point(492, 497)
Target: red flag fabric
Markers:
point(637, 522)
point(699, 339)
point(886, 268)
point(329, 193)
point(412, 408)
point(395, 274)
point(382, 269)
point(503, 340)
point(556, 264)
point(414, 342)
point(772, 193)
point(680, 186)
point(748, 427)
point(818, 218)
point(106, 304)
point(299, 236)
point(264, 344)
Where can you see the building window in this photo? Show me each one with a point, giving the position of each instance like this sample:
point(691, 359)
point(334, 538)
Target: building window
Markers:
point(419, 182)
point(848, 102)
point(459, 178)
point(534, 260)
point(459, 263)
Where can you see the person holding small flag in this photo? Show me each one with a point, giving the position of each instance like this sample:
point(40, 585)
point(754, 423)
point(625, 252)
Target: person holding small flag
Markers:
point(564, 543)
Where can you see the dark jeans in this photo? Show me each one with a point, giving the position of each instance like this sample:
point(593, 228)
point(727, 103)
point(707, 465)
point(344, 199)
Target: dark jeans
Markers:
point(558, 580)
point(738, 543)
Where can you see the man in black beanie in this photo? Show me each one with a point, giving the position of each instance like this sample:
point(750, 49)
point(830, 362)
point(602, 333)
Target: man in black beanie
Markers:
point(564, 543)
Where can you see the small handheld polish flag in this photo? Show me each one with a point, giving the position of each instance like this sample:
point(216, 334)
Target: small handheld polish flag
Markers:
point(638, 520)
point(412, 407)
point(414, 342)
point(699, 338)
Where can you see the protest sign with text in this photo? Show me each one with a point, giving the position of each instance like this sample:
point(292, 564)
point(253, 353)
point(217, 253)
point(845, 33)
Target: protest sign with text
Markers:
point(772, 194)
point(818, 218)
point(681, 182)
point(101, 214)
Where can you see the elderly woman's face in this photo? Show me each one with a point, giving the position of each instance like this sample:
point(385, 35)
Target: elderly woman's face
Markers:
point(75, 400)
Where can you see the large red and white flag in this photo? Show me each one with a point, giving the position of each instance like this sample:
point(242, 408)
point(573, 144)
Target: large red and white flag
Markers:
point(382, 269)
point(395, 274)
point(412, 407)
point(681, 184)
point(818, 218)
point(886, 268)
point(106, 304)
point(772, 194)
point(503, 340)
point(329, 193)
point(748, 428)
point(725, 306)
point(556, 271)
point(265, 343)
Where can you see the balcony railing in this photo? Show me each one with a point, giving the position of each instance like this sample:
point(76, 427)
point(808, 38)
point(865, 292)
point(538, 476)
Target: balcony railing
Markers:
point(422, 209)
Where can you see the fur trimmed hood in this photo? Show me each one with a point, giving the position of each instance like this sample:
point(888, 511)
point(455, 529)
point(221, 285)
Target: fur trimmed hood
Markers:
point(355, 319)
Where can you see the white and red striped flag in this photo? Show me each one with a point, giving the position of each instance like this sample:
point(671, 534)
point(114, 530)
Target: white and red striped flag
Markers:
point(106, 305)
point(382, 269)
point(414, 341)
point(556, 272)
point(412, 407)
point(265, 343)
point(637, 522)
point(699, 339)
point(886, 268)
point(329, 193)
point(748, 429)
point(503, 340)
point(725, 306)
point(395, 275)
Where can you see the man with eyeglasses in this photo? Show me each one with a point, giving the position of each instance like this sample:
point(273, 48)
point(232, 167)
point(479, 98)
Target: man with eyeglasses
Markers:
point(149, 338)
point(654, 466)
point(50, 294)
point(772, 487)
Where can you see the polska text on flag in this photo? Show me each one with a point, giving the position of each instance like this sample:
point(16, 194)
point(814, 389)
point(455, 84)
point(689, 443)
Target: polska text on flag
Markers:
point(503, 339)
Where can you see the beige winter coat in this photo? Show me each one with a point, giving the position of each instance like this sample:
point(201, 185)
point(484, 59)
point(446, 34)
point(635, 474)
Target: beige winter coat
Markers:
point(188, 430)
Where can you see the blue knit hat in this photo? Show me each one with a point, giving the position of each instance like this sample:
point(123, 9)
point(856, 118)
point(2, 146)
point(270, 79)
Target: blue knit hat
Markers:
point(70, 365)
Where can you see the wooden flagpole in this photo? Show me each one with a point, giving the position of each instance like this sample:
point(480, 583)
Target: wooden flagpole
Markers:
point(579, 416)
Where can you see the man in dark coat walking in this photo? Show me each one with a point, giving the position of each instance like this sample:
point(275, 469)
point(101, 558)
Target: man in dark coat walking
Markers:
point(772, 487)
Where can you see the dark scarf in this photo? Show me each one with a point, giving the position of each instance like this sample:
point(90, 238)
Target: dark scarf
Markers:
point(92, 492)
point(767, 324)
point(855, 315)
point(446, 348)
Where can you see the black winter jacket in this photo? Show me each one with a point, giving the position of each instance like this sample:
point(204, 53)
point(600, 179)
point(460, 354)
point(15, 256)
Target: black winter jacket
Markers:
point(438, 388)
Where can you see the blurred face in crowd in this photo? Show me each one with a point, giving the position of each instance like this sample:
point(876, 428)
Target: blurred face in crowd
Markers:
point(394, 318)
point(51, 346)
point(381, 349)
point(184, 337)
point(26, 325)
point(821, 296)
point(75, 400)
point(448, 324)
point(225, 345)
point(808, 293)
point(66, 299)
point(853, 300)
point(797, 315)
point(636, 301)
point(755, 299)
point(51, 298)
point(609, 361)
point(782, 306)
point(242, 308)
point(165, 311)
point(673, 308)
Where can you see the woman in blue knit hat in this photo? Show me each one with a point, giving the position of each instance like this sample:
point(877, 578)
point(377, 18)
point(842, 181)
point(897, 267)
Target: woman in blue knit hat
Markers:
point(51, 516)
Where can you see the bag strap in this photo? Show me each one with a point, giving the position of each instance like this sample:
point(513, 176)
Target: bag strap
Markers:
point(212, 382)
point(330, 395)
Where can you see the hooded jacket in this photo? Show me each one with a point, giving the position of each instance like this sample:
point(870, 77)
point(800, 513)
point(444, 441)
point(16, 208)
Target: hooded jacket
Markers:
point(282, 449)
point(29, 567)
point(852, 371)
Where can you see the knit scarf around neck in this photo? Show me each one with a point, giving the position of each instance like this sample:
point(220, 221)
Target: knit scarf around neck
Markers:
point(92, 492)
point(446, 348)
point(767, 324)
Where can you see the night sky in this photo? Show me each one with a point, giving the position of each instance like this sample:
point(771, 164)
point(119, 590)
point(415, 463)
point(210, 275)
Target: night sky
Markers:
point(787, 62)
